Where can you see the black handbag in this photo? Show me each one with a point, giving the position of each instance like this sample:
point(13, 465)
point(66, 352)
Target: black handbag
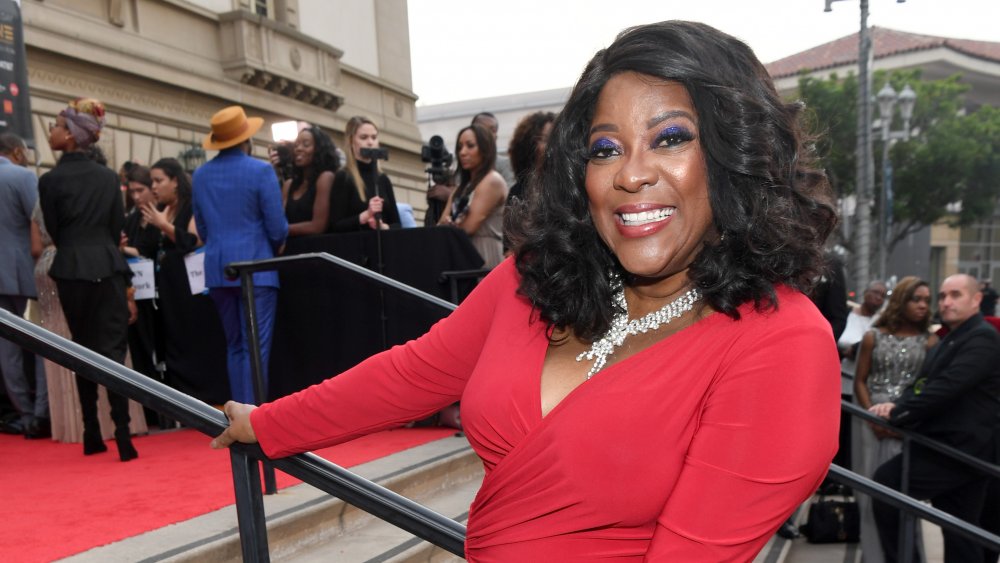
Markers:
point(832, 521)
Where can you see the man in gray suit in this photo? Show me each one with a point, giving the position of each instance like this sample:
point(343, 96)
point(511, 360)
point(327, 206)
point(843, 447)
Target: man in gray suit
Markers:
point(18, 196)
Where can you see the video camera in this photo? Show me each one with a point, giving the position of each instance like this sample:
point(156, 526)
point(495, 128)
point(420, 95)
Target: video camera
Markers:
point(286, 159)
point(375, 154)
point(439, 158)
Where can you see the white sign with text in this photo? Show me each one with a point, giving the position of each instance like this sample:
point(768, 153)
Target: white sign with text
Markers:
point(142, 278)
point(195, 263)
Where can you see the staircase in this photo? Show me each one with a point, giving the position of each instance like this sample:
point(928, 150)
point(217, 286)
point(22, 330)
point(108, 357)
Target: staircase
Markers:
point(780, 550)
point(306, 525)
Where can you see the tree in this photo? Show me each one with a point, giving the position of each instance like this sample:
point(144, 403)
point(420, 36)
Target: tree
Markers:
point(951, 157)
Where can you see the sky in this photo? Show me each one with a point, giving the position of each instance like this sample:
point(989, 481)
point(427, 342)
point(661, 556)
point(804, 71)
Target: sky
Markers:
point(468, 49)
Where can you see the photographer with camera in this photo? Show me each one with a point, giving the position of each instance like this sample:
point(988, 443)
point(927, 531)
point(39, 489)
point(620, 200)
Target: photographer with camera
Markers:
point(362, 196)
point(306, 194)
point(439, 178)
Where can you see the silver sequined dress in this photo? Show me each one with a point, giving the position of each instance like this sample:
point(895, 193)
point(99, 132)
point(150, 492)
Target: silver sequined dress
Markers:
point(895, 363)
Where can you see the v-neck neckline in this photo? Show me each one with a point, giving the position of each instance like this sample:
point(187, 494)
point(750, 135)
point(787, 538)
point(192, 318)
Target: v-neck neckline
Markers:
point(608, 371)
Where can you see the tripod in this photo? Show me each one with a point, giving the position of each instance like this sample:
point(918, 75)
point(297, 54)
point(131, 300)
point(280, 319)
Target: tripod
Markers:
point(376, 154)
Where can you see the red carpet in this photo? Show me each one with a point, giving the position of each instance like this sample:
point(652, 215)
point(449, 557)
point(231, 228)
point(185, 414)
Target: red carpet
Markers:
point(56, 502)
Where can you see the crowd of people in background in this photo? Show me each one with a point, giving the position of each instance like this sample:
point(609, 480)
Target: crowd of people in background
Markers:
point(934, 373)
point(167, 334)
point(85, 221)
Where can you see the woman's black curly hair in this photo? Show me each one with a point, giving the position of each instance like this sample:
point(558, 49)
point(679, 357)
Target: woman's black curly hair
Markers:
point(771, 208)
point(324, 158)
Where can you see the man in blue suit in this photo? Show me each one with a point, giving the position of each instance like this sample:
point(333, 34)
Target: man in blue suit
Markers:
point(238, 212)
point(18, 196)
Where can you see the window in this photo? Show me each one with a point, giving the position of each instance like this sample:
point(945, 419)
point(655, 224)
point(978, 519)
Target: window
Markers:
point(262, 8)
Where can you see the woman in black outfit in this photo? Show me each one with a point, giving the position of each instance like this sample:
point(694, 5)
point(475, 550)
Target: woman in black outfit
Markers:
point(83, 212)
point(351, 206)
point(194, 348)
point(141, 239)
point(307, 193)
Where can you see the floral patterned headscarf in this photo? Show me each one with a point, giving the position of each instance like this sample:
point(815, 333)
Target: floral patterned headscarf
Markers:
point(85, 118)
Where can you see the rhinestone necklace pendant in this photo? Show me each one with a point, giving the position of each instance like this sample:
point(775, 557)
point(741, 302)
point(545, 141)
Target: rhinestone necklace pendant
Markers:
point(621, 328)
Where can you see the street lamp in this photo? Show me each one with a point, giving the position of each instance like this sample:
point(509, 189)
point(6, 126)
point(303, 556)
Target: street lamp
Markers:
point(887, 100)
point(192, 157)
point(864, 175)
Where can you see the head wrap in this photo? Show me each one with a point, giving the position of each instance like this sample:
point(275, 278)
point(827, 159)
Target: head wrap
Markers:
point(84, 118)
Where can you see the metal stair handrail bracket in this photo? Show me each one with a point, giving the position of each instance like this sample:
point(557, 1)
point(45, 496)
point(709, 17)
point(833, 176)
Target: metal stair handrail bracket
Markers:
point(307, 467)
point(368, 496)
point(909, 506)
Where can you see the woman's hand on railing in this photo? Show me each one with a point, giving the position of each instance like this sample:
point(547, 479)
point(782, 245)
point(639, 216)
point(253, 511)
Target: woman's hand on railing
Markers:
point(239, 426)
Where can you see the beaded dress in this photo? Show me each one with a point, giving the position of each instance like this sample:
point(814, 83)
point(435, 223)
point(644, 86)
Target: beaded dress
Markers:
point(895, 363)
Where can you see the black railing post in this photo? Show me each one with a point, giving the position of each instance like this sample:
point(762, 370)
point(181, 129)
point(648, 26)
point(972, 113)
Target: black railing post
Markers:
point(906, 520)
point(256, 363)
point(249, 507)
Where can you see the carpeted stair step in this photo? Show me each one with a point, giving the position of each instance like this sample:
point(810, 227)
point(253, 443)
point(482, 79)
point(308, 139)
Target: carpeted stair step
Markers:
point(305, 522)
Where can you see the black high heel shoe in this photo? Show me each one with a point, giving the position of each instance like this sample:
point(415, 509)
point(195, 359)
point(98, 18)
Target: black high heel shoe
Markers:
point(126, 451)
point(92, 443)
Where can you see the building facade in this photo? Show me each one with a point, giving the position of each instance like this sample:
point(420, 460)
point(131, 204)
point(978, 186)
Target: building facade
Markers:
point(163, 67)
point(448, 119)
point(938, 250)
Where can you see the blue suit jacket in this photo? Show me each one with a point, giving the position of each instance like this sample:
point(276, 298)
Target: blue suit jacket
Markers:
point(18, 196)
point(238, 212)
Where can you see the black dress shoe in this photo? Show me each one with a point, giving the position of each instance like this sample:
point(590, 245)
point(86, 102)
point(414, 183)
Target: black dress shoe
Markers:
point(38, 429)
point(788, 530)
point(14, 426)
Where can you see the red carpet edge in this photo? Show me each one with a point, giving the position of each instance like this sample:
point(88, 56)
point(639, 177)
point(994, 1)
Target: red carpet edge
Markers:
point(59, 502)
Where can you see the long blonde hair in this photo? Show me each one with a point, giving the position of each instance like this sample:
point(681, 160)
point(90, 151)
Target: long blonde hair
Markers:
point(353, 124)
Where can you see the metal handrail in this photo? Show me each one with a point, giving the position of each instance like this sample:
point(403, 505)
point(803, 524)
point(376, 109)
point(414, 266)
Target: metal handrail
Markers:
point(396, 510)
point(235, 269)
point(309, 468)
point(911, 505)
point(245, 270)
point(452, 277)
point(906, 503)
point(930, 443)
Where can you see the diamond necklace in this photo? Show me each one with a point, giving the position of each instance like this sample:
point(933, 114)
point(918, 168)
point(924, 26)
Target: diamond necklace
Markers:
point(621, 327)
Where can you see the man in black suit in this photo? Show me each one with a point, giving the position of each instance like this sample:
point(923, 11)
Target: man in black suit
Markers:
point(955, 400)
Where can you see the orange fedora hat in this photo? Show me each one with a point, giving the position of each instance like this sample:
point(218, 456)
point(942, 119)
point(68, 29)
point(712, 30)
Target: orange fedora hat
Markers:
point(230, 127)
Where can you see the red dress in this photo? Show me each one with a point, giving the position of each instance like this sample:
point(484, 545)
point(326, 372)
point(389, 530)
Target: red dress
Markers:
point(694, 449)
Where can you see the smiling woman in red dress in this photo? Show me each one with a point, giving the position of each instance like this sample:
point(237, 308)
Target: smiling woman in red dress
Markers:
point(645, 380)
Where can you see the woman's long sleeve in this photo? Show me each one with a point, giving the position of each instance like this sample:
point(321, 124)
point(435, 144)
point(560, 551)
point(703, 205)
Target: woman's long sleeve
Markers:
point(405, 383)
point(345, 204)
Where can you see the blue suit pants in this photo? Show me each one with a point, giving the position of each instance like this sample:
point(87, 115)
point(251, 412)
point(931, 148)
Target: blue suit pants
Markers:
point(229, 302)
